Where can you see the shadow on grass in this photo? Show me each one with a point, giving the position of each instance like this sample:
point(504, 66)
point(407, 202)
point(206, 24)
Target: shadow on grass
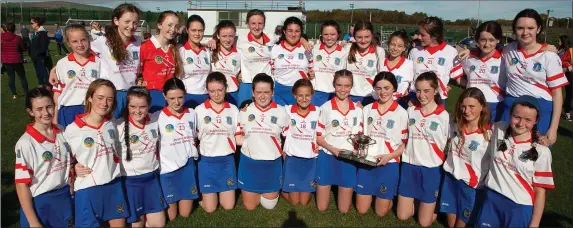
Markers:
point(10, 204)
point(292, 221)
point(564, 132)
point(554, 219)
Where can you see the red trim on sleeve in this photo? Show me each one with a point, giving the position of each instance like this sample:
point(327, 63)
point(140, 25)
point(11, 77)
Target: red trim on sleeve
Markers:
point(559, 86)
point(543, 174)
point(22, 167)
point(546, 186)
point(240, 133)
point(23, 181)
point(526, 187)
point(405, 131)
point(555, 77)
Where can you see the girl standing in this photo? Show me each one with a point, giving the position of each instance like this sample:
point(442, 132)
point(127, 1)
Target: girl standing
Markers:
point(400, 66)
point(43, 161)
point(226, 59)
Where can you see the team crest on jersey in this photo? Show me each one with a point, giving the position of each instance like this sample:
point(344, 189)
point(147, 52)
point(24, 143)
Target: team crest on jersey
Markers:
point(251, 49)
point(370, 120)
point(47, 156)
point(494, 69)
point(313, 125)
point(420, 59)
point(71, 74)
point(135, 55)
point(433, 126)
point(251, 117)
point(473, 145)
point(281, 56)
point(319, 58)
point(154, 133)
point(206, 120)
point(537, 67)
point(412, 121)
point(467, 213)
point(191, 125)
point(390, 124)
point(94, 74)
point(337, 61)
point(169, 128)
point(229, 120)
point(513, 61)
point(398, 78)
point(234, 62)
point(230, 181)
point(158, 59)
point(354, 121)
point(89, 142)
point(293, 122)
point(300, 56)
point(189, 60)
point(370, 63)
point(134, 139)
point(441, 61)
point(473, 68)
point(274, 119)
point(383, 189)
point(335, 123)
point(120, 208)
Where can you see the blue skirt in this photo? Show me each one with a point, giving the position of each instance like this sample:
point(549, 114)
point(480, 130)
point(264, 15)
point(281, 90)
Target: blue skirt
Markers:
point(283, 94)
point(244, 94)
point(500, 211)
point(180, 184)
point(379, 181)
point(217, 174)
point(67, 114)
point(458, 198)
point(53, 209)
point(363, 100)
point(194, 100)
point(260, 176)
point(144, 195)
point(121, 98)
point(419, 182)
point(233, 98)
point(319, 98)
point(98, 204)
point(157, 100)
point(331, 170)
point(299, 174)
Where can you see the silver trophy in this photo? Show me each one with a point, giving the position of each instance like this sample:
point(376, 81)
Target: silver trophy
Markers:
point(361, 142)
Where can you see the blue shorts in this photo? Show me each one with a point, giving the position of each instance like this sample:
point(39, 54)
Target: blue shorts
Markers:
point(121, 98)
point(331, 170)
point(67, 114)
point(157, 100)
point(99, 204)
point(180, 184)
point(419, 182)
point(363, 100)
point(245, 92)
point(500, 211)
point(194, 100)
point(544, 114)
point(319, 98)
point(232, 98)
point(380, 181)
point(496, 110)
point(53, 209)
point(299, 174)
point(412, 96)
point(260, 176)
point(458, 198)
point(283, 95)
point(217, 174)
point(144, 195)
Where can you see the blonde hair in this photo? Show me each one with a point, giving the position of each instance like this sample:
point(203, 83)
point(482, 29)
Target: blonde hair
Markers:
point(93, 87)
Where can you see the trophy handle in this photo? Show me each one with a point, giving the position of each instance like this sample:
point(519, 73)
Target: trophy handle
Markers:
point(350, 138)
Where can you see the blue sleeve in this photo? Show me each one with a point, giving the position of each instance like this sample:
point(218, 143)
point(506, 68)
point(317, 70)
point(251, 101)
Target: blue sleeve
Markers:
point(346, 37)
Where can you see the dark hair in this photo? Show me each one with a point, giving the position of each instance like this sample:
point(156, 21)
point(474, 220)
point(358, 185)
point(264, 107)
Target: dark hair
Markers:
point(431, 77)
point(278, 30)
point(300, 83)
point(178, 64)
point(360, 25)
point(39, 20)
point(195, 18)
point(532, 153)
point(289, 21)
point(402, 35)
point(530, 13)
point(485, 115)
point(216, 76)
point(330, 23)
point(262, 77)
point(10, 27)
point(93, 88)
point(114, 41)
point(255, 12)
point(565, 42)
point(173, 83)
point(35, 93)
point(134, 91)
point(434, 27)
point(343, 73)
point(489, 26)
point(388, 76)
point(222, 24)
point(75, 27)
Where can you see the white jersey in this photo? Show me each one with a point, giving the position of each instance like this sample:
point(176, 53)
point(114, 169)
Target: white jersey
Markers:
point(442, 60)
point(484, 75)
point(290, 65)
point(177, 138)
point(534, 75)
point(95, 147)
point(42, 163)
point(262, 131)
point(389, 129)
point(364, 70)
point(143, 143)
point(216, 129)
point(75, 78)
point(465, 160)
point(512, 174)
point(325, 64)
point(255, 57)
point(336, 127)
point(427, 137)
point(230, 65)
point(196, 67)
point(300, 135)
point(123, 75)
point(404, 72)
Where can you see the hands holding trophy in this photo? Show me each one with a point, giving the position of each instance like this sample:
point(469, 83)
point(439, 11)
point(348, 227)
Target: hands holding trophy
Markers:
point(360, 155)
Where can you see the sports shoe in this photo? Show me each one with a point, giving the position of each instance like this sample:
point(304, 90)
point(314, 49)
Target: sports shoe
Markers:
point(568, 117)
point(14, 97)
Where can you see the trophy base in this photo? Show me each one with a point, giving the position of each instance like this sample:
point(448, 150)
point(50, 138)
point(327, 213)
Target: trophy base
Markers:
point(349, 155)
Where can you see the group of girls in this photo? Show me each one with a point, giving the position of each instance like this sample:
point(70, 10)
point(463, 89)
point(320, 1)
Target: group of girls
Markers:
point(132, 152)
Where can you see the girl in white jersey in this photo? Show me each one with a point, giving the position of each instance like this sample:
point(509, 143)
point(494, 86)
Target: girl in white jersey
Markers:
point(42, 169)
point(196, 62)
point(364, 57)
point(216, 126)
point(340, 118)
point(177, 150)
point(428, 129)
point(386, 122)
point(531, 71)
point(520, 170)
point(226, 59)
point(289, 61)
point(139, 137)
point(399, 65)
point(465, 165)
point(434, 55)
point(99, 194)
point(329, 57)
point(75, 73)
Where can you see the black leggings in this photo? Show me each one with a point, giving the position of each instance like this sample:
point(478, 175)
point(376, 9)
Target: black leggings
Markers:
point(568, 93)
point(12, 69)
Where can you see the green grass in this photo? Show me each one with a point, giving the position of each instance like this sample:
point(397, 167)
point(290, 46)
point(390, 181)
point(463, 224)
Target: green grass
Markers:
point(558, 207)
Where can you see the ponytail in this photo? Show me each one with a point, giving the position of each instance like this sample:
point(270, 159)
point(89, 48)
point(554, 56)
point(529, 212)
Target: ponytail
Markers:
point(134, 91)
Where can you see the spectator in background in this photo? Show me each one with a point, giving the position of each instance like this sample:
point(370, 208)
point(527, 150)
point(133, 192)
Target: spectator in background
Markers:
point(39, 51)
point(59, 38)
point(349, 38)
point(563, 45)
point(96, 31)
point(25, 33)
point(566, 47)
point(182, 36)
point(278, 32)
point(12, 61)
